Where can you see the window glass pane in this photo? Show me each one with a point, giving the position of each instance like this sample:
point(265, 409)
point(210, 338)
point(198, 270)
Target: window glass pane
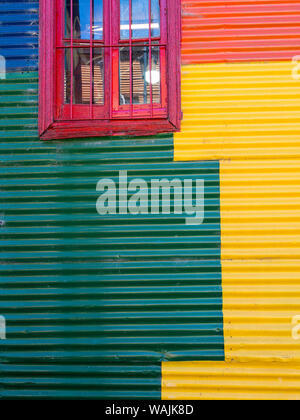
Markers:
point(124, 76)
point(81, 19)
point(140, 19)
point(142, 79)
point(98, 76)
point(124, 19)
point(155, 18)
point(67, 79)
point(82, 76)
point(98, 19)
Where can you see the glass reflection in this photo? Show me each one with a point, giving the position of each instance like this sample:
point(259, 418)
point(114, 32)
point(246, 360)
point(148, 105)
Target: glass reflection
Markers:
point(81, 19)
point(82, 77)
point(140, 19)
point(141, 76)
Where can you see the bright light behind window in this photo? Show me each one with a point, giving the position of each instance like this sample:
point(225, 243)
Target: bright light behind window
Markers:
point(155, 77)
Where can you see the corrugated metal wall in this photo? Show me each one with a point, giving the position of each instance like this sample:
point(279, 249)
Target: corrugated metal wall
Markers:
point(240, 30)
point(227, 381)
point(243, 109)
point(94, 304)
point(239, 111)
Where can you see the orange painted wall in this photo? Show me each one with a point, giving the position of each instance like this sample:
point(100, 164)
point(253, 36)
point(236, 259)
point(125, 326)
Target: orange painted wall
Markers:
point(245, 30)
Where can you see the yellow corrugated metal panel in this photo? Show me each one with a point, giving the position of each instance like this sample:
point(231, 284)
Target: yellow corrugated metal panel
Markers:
point(261, 298)
point(260, 213)
point(239, 111)
point(260, 202)
point(221, 380)
point(260, 225)
point(247, 116)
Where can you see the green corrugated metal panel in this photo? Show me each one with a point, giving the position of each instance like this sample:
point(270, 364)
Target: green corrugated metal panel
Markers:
point(94, 303)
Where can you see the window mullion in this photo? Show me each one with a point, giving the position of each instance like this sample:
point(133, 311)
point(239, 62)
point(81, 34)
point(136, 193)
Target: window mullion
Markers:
point(107, 87)
point(150, 59)
point(91, 59)
point(58, 76)
point(114, 43)
point(130, 58)
point(111, 67)
point(72, 64)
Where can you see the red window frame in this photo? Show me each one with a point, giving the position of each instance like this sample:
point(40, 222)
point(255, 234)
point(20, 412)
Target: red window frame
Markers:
point(58, 120)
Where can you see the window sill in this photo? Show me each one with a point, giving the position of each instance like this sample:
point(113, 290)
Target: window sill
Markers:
point(100, 128)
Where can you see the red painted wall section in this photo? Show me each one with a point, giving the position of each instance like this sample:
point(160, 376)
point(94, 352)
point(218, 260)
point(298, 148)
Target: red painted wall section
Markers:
point(246, 30)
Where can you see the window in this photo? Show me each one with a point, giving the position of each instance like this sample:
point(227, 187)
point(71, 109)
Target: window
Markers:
point(109, 67)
